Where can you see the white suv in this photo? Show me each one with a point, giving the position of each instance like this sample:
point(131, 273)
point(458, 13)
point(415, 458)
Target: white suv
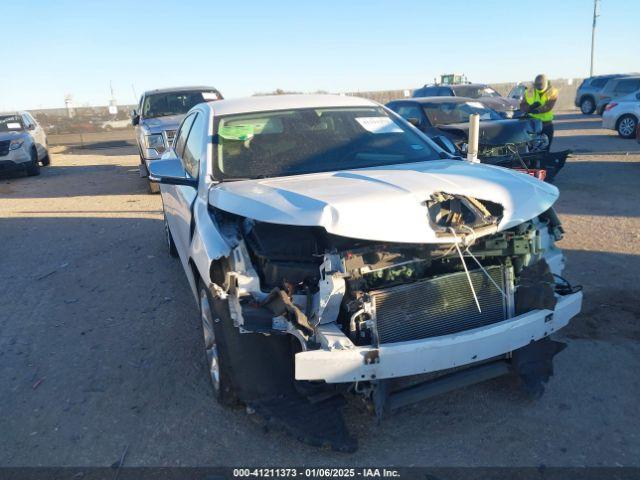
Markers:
point(23, 143)
point(623, 115)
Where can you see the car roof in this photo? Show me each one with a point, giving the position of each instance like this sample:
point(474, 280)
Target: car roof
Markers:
point(286, 102)
point(627, 77)
point(436, 85)
point(436, 100)
point(614, 75)
point(14, 112)
point(479, 85)
point(180, 89)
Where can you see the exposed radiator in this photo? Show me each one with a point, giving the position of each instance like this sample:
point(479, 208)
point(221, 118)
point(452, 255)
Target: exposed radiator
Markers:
point(440, 306)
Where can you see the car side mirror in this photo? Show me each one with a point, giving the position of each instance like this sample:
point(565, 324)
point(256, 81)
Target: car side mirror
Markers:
point(31, 126)
point(414, 121)
point(170, 172)
point(135, 118)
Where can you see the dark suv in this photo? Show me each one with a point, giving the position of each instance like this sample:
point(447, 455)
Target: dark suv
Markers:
point(479, 91)
point(587, 95)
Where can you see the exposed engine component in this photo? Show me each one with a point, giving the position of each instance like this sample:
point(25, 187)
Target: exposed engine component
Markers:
point(460, 213)
point(385, 293)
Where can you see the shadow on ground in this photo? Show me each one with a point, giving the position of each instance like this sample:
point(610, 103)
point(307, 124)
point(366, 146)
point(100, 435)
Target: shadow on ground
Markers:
point(104, 351)
point(577, 121)
point(76, 180)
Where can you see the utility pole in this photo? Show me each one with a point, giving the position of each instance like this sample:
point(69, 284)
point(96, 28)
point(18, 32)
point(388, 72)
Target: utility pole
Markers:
point(596, 14)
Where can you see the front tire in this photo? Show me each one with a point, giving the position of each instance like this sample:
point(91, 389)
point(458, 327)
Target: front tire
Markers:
point(173, 251)
point(587, 106)
point(34, 168)
point(215, 353)
point(46, 160)
point(627, 126)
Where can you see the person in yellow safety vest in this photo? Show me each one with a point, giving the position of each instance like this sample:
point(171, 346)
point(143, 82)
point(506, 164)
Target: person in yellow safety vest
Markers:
point(539, 102)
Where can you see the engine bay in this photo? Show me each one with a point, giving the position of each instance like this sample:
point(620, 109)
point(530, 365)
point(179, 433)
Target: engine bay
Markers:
point(316, 278)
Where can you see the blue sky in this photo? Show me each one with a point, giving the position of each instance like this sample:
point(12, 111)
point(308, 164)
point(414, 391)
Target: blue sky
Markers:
point(77, 46)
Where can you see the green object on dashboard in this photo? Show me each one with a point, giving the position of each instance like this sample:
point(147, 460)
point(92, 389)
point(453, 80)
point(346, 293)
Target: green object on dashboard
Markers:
point(236, 132)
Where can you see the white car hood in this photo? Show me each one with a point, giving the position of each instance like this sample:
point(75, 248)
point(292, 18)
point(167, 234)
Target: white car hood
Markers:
point(383, 203)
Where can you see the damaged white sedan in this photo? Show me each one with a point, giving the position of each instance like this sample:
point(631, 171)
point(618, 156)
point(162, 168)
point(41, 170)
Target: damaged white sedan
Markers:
point(333, 248)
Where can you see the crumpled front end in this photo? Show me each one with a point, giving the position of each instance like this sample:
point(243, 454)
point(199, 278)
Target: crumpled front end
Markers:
point(363, 311)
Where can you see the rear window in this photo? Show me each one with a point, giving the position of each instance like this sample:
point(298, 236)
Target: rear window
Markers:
point(475, 91)
point(426, 92)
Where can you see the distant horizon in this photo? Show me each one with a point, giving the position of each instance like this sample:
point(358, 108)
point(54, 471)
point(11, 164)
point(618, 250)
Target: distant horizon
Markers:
point(133, 104)
point(80, 48)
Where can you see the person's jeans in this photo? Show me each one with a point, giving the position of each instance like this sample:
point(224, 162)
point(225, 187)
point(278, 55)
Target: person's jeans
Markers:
point(547, 127)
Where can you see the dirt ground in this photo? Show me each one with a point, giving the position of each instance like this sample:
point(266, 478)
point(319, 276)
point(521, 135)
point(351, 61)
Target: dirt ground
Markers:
point(101, 345)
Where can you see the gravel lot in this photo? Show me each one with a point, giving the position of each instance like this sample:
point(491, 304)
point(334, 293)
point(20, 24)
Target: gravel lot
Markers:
point(101, 346)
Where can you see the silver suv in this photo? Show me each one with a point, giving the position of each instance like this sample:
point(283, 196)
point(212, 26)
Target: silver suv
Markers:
point(23, 143)
point(158, 116)
point(588, 93)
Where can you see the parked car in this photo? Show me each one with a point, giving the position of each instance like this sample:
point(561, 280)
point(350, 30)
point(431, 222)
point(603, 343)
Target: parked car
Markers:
point(587, 94)
point(513, 143)
point(478, 91)
point(23, 143)
point(623, 115)
point(115, 124)
point(157, 117)
point(333, 248)
point(616, 88)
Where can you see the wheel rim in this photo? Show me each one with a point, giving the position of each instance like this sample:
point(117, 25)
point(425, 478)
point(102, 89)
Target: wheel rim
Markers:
point(210, 340)
point(587, 106)
point(627, 126)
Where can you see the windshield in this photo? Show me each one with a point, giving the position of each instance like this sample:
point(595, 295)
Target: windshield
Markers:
point(475, 92)
point(174, 103)
point(293, 142)
point(11, 123)
point(457, 112)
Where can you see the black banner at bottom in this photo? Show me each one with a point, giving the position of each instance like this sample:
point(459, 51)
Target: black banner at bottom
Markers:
point(224, 473)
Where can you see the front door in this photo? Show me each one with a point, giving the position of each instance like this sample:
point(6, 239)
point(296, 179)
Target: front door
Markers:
point(179, 199)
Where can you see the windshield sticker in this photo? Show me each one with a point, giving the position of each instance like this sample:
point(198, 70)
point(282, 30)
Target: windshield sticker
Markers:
point(14, 126)
point(475, 104)
point(210, 96)
point(236, 132)
point(378, 125)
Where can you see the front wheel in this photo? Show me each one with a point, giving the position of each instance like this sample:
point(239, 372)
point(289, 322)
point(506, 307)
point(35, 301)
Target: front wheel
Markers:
point(627, 126)
point(587, 106)
point(34, 168)
point(46, 160)
point(217, 367)
point(173, 250)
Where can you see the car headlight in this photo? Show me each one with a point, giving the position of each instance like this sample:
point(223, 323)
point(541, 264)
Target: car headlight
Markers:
point(155, 141)
point(16, 144)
